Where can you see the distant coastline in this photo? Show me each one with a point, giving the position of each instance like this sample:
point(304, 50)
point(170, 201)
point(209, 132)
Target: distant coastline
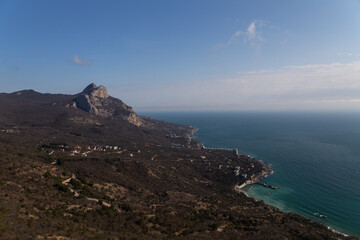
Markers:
point(257, 179)
point(267, 170)
point(290, 143)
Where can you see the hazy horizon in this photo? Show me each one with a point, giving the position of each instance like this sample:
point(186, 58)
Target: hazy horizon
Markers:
point(187, 56)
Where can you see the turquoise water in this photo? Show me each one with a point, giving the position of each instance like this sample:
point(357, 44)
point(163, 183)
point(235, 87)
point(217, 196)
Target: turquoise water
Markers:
point(316, 158)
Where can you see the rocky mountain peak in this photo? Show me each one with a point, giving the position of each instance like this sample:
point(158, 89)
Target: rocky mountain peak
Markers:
point(96, 100)
point(94, 91)
point(90, 87)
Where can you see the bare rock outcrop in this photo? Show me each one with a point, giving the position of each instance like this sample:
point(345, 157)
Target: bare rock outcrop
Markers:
point(96, 100)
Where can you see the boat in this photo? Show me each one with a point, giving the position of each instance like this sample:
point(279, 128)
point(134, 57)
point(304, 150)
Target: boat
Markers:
point(320, 215)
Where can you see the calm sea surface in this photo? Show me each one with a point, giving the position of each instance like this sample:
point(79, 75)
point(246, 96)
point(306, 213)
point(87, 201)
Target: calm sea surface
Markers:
point(316, 158)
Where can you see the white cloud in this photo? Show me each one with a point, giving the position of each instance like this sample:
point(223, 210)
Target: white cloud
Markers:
point(335, 85)
point(78, 61)
point(251, 30)
point(251, 35)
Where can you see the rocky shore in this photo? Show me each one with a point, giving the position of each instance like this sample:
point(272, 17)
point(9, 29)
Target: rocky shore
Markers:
point(256, 179)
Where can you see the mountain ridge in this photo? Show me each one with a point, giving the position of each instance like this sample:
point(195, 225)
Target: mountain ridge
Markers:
point(92, 105)
point(70, 173)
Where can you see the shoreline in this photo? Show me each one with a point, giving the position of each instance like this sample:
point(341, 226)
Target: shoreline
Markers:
point(239, 189)
point(256, 180)
point(267, 171)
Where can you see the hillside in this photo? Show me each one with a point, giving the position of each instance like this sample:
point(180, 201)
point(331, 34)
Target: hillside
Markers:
point(86, 166)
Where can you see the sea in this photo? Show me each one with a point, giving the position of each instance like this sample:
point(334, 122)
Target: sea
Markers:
point(315, 157)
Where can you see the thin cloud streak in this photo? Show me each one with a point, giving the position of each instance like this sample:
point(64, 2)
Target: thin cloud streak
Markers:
point(330, 86)
point(352, 100)
point(345, 54)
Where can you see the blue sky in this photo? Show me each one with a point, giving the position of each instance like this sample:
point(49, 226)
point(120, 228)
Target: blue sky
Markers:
point(187, 55)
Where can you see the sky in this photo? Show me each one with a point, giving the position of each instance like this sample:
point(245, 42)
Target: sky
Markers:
point(187, 54)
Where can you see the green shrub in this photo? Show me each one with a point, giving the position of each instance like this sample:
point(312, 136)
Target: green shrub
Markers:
point(76, 184)
point(62, 187)
point(88, 192)
point(126, 207)
point(47, 175)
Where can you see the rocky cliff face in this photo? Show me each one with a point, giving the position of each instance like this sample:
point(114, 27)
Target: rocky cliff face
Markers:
point(96, 100)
